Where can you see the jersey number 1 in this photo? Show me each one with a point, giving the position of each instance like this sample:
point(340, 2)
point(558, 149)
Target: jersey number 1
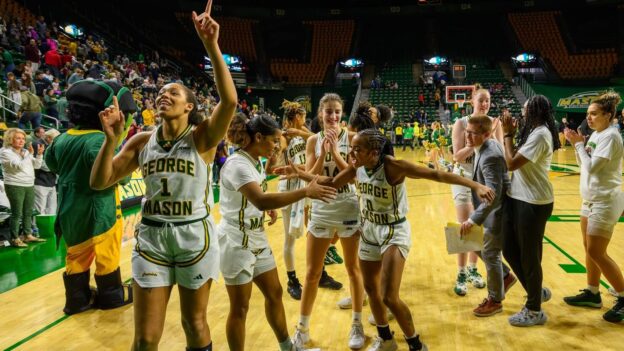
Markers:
point(165, 188)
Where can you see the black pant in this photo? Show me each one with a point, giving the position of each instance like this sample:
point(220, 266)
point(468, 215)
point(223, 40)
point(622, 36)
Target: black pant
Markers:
point(523, 230)
point(399, 140)
point(408, 142)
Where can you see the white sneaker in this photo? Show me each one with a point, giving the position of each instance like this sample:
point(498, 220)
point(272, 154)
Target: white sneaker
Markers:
point(475, 278)
point(383, 345)
point(356, 336)
point(347, 304)
point(295, 348)
point(301, 337)
point(371, 318)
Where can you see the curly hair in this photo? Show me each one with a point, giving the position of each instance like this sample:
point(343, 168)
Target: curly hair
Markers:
point(292, 109)
point(608, 102)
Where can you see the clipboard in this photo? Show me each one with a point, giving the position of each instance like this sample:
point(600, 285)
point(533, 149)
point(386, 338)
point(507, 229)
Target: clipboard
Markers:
point(455, 243)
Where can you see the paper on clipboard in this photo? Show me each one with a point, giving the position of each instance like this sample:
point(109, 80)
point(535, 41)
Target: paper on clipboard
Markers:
point(455, 243)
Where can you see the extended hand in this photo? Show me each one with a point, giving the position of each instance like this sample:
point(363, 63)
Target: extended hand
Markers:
point(509, 124)
point(40, 149)
point(207, 28)
point(486, 194)
point(320, 192)
point(286, 172)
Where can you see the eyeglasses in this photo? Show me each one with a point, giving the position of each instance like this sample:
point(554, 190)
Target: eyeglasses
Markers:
point(469, 132)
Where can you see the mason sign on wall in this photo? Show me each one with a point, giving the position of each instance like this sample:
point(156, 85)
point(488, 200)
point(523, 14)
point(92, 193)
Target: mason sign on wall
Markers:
point(579, 100)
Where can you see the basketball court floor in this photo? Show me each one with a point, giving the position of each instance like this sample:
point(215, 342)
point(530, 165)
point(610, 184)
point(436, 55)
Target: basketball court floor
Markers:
point(32, 294)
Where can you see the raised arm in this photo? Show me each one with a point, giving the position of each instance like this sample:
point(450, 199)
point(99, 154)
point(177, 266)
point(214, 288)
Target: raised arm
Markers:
point(314, 165)
point(513, 159)
point(211, 131)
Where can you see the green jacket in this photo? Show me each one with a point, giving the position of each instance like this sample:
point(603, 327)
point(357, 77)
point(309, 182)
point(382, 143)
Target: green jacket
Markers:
point(83, 213)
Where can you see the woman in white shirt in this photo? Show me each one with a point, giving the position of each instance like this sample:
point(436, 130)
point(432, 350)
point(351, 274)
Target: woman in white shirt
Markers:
point(603, 202)
point(530, 196)
point(18, 165)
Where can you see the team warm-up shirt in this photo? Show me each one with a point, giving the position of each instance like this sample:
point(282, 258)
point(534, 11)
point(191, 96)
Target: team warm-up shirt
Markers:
point(606, 183)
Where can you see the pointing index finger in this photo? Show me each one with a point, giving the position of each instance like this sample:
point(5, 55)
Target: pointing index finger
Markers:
point(208, 7)
point(116, 103)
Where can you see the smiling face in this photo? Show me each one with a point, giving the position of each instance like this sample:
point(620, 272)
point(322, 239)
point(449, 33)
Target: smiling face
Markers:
point(268, 145)
point(331, 112)
point(172, 101)
point(361, 154)
point(597, 119)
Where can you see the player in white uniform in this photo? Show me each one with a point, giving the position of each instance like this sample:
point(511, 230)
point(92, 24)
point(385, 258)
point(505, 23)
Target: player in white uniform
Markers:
point(175, 242)
point(463, 156)
point(245, 253)
point(386, 236)
point(603, 202)
point(292, 149)
point(326, 154)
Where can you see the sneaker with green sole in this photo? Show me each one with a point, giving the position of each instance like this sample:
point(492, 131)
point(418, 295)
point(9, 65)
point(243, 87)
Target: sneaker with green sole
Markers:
point(475, 278)
point(333, 256)
point(585, 299)
point(461, 286)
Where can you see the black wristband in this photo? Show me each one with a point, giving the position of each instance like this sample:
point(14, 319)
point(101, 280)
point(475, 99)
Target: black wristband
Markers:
point(509, 135)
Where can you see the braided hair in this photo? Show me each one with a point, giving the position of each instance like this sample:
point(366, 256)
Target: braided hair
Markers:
point(375, 140)
point(292, 109)
point(539, 111)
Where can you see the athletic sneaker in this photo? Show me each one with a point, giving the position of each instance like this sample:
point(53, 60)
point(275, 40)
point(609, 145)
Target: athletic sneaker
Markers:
point(389, 314)
point(332, 256)
point(460, 284)
point(616, 314)
point(328, 282)
point(488, 307)
point(356, 336)
point(509, 281)
point(526, 318)
point(380, 344)
point(546, 294)
point(613, 292)
point(346, 303)
point(294, 289)
point(301, 337)
point(295, 348)
point(475, 278)
point(586, 298)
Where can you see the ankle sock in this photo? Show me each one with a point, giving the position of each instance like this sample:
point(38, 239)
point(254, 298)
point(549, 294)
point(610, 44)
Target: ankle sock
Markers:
point(357, 317)
point(384, 332)
point(286, 345)
point(594, 289)
point(304, 322)
point(291, 275)
point(414, 342)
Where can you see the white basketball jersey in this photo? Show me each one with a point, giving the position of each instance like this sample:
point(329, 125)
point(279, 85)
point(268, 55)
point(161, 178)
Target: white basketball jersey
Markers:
point(380, 202)
point(240, 219)
point(329, 168)
point(466, 168)
point(296, 154)
point(176, 181)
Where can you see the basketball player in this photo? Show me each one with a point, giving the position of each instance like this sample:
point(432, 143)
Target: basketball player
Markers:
point(245, 253)
point(463, 157)
point(176, 240)
point(386, 237)
point(603, 202)
point(326, 154)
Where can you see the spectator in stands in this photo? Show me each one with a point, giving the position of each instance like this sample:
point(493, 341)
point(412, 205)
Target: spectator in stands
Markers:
point(32, 54)
point(28, 83)
point(61, 107)
point(424, 117)
point(436, 98)
point(13, 87)
point(18, 165)
point(50, 101)
point(421, 99)
point(561, 128)
point(53, 61)
point(45, 181)
point(76, 76)
point(41, 83)
point(7, 58)
point(30, 110)
point(42, 27)
point(149, 113)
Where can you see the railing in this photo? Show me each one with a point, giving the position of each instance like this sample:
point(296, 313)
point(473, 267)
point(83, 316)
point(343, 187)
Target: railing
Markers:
point(3, 106)
point(527, 89)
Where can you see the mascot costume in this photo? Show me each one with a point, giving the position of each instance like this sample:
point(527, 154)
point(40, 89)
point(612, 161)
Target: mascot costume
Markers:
point(90, 221)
